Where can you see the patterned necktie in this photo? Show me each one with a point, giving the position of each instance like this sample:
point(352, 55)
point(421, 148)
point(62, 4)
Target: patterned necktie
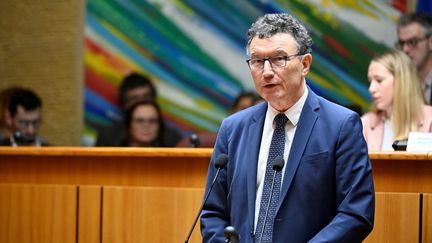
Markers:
point(277, 147)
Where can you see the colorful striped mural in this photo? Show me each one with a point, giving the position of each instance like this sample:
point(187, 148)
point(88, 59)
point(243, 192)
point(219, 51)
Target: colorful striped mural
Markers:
point(194, 52)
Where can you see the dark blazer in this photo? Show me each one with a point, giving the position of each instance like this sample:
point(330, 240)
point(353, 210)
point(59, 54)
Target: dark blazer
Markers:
point(7, 142)
point(327, 193)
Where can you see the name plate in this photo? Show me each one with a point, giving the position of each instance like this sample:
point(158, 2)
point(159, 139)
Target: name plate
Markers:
point(419, 141)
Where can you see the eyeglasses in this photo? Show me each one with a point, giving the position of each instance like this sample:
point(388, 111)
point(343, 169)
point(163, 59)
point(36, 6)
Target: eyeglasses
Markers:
point(25, 123)
point(275, 62)
point(413, 42)
point(149, 121)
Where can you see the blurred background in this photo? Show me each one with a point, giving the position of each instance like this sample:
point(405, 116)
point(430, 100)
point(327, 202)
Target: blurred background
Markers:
point(75, 53)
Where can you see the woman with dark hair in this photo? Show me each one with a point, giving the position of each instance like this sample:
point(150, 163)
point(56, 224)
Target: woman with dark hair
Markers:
point(145, 125)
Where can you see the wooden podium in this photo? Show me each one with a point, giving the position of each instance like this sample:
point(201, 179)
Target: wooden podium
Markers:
point(79, 194)
point(71, 194)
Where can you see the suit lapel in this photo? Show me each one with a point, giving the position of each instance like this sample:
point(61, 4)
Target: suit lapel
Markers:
point(251, 156)
point(305, 125)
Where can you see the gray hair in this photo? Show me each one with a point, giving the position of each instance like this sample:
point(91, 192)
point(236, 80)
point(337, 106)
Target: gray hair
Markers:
point(272, 24)
point(423, 19)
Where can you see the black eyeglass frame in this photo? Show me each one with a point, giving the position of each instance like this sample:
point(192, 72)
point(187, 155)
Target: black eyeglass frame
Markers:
point(286, 59)
point(412, 42)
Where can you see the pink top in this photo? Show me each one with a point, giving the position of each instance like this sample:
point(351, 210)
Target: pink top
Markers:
point(373, 127)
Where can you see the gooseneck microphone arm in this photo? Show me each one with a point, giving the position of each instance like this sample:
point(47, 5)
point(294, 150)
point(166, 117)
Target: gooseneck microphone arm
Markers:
point(220, 163)
point(278, 164)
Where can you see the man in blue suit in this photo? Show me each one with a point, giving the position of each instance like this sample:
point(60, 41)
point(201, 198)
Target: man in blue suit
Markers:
point(326, 191)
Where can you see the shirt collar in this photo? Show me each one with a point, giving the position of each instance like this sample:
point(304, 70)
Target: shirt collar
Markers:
point(292, 113)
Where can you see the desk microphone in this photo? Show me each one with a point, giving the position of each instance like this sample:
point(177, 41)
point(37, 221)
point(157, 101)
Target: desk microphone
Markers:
point(22, 139)
point(194, 140)
point(220, 163)
point(400, 145)
point(278, 164)
point(231, 235)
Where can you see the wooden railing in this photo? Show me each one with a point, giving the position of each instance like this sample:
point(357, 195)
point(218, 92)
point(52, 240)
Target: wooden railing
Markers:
point(80, 194)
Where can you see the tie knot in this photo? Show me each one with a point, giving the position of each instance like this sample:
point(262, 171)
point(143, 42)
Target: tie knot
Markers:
point(280, 120)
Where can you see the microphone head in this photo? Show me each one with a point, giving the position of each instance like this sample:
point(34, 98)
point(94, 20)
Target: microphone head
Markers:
point(194, 140)
point(22, 139)
point(278, 163)
point(230, 232)
point(221, 161)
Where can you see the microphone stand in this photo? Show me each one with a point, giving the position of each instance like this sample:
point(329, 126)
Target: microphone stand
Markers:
point(278, 164)
point(220, 163)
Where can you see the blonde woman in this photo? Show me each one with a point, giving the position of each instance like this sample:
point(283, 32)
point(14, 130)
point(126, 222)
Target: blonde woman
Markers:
point(398, 103)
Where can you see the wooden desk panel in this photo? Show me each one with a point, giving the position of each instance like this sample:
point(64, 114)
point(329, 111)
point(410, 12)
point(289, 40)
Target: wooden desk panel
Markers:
point(129, 174)
point(396, 218)
point(427, 218)
point(132, 214)
point(174, 167)
point(37, 213)
point(402, 171)
point(89, 214)
point(167, 167)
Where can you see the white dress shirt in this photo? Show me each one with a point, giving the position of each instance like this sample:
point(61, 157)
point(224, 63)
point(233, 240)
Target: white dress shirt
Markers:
point(388, 136)
point(293, 115)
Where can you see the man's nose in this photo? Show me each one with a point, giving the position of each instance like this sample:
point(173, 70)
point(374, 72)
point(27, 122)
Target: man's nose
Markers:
point(406, 48)
point(268, 69)
point(30, 130)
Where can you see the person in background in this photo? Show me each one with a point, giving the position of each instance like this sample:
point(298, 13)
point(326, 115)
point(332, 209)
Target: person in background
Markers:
point(242, 101)
point(5, 127)
point(145, 125)
point(258, 99)
point(133, 89)
point(24, 118)
point(414, 32)
point(322, 189)
point(398, 104)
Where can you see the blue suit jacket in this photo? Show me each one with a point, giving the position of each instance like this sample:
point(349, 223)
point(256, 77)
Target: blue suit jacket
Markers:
point(327, 193)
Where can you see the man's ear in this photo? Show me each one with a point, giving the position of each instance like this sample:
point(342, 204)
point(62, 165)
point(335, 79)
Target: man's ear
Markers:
point(8, 118)
point(306, 61)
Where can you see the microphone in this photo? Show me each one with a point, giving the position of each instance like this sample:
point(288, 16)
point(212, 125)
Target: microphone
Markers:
point(231, 235)
point(278, 164)
point(220, 163)
point(22, 139)
point(194, 140)
point(400, 145)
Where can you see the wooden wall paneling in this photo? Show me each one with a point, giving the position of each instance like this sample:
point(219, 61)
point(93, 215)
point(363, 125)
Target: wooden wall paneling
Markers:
point(132, 214)
point(89, 214)
point(42, 48)
point(427, 218)
point(37, 213)
point(397, 218)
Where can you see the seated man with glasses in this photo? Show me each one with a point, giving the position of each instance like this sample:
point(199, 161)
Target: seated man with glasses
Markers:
point(24, 117)
point(414, 38)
